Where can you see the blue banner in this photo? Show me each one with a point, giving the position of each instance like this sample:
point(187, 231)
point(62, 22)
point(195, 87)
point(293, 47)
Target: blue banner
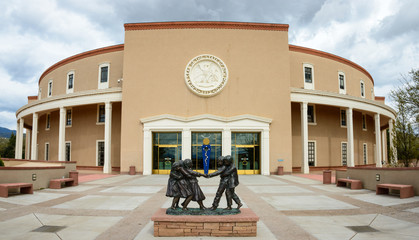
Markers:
point(206, 153)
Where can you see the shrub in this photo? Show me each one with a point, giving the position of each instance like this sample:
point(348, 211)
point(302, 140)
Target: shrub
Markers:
point(1, 162)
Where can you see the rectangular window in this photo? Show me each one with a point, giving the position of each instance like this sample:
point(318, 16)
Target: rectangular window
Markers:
point(46, 151)
point(365, 153)
point(68, 121)
point(308, 73)
point(70, 81)
point(68, 151)
point(311, 114)
point(362, 89)
point(101, 114)
point(311, 153)
point(344, 153)
point(100, 153)
point(343, 118)
point(48, 121)
point(50, 88)
point(341, 82)
point(104, 74)
point(364, 122)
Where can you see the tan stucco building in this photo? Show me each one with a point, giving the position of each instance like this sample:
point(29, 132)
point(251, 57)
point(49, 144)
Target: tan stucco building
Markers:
point(242, 86)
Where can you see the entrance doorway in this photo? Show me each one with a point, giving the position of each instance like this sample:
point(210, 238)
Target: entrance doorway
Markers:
point(167, 148)
point(245, 150)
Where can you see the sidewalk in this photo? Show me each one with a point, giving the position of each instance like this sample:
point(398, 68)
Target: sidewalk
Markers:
point(289, 207)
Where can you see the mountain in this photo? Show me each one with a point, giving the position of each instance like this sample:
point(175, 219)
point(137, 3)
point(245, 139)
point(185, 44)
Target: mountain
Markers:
point(5, 133)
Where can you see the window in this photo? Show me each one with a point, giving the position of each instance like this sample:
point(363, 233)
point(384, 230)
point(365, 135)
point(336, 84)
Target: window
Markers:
point(311, 115)
point(46, 151)
point(48, 121)
point(342, 83)
point(101, 114)
point(364, 122)
point(362, 89)
point(198, 154)
point(50, 88)
point(344, 148)
point(372, 94)
point(100, 153)
point(308, 76)
point(365, 154)
point(311, 153)
point(68, 121)
point(39, 93)
point(68, 151)
point(70, 82)
point(103, 81)
point(343, 118)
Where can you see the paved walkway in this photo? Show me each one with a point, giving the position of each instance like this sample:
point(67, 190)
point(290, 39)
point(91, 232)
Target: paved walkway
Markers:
point(289, 207)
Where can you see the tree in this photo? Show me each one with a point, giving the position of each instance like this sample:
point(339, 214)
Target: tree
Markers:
point(406, 99)
point(9, 150)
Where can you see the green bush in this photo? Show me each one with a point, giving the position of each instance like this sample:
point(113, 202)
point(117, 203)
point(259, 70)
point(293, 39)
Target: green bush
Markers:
point(1, 162)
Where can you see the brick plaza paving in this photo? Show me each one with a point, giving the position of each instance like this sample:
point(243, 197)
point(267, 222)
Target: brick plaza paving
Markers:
point(289, 207)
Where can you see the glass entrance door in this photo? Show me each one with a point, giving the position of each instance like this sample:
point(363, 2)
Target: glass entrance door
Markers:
point(167, 148)
point(245, 150)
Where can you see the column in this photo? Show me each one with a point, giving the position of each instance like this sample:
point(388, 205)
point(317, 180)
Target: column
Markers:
point(17, 141)
point(34, 136)
point(304, 138)
point(350, 135)
point(377, 140)
point(186, 143)
point(20, 142)
point(28, 144)
point(107, 168)
point(61, 135)
point(384, 145)
point(391, 136)
point(147, 155)
point(226, 142)
point(265, 153)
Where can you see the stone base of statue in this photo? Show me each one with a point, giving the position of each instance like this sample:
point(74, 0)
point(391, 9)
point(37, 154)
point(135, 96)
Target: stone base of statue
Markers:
point(243, 224)
point(198, 211)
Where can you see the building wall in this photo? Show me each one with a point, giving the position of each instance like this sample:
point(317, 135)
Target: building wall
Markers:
point(326, 75)
point(86, 74)
point(328, 134)
point(258, 65)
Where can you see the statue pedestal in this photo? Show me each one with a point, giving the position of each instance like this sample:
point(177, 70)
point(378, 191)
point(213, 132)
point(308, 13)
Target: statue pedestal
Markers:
point(243, 224)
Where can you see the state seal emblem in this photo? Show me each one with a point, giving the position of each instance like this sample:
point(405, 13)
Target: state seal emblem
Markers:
point(206, 75)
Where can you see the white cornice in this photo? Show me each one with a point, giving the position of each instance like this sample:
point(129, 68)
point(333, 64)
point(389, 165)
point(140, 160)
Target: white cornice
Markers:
point(340, 100)
point(205, 116)
point(73, 99)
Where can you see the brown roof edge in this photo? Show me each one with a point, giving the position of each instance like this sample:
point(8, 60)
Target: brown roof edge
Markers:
point(32, 97)
point(82, 55)
point(380, 98)
point(332, 57)
point(206, 24)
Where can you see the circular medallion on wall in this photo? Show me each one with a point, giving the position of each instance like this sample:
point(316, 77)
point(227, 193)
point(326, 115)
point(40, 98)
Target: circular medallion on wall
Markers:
point(206, 75)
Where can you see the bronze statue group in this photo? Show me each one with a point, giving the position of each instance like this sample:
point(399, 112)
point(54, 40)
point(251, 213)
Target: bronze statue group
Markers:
point(183, 183)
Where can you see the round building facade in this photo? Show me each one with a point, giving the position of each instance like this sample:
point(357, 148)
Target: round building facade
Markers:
point(174, 87)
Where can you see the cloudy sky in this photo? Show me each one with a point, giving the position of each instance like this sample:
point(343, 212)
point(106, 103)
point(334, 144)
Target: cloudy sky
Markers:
point(380, 35)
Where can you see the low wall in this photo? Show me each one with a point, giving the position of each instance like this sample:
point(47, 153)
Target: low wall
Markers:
point(39, 173)
point(408, 176)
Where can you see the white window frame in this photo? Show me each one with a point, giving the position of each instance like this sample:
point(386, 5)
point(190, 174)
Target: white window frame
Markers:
point(340, 118)
point(65, 153)
point(341, 153)
point(47, 150)
point(365, 153)
point(97, 114)
point(308, 85)
point(315, 152)
point(97, 152)
point(39, 93)
point(50, 88)
point(364, 117)
point(362, 88)
point(68, 76)
point(372, 94)
point(314, 115)
point(105, 84)
point(66, 112)
point(342, 91)
point(48, 126)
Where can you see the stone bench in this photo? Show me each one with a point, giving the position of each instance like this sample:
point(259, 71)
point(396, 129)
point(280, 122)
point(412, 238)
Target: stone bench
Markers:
point(355, 184)
point(56, 183)
point(25, 188)
point(406, 191)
